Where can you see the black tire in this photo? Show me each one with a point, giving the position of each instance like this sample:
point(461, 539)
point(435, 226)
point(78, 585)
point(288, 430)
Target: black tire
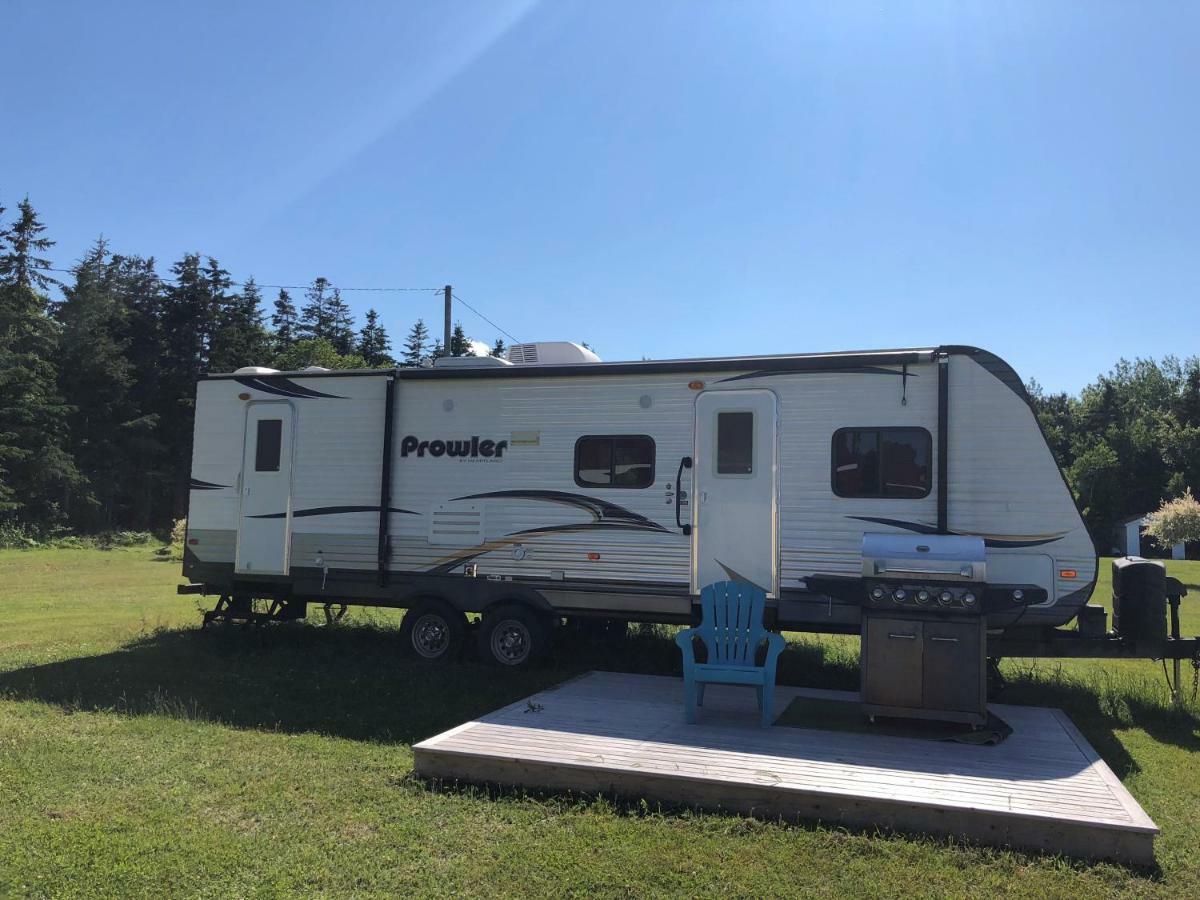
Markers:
point(433, 631)
point(513, 635)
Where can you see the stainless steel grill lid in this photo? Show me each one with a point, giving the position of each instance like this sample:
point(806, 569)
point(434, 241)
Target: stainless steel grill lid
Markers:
point(924, 557)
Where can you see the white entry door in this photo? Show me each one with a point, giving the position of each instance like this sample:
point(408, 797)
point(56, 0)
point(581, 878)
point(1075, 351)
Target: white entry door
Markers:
point(735, 489)
point(265, 524)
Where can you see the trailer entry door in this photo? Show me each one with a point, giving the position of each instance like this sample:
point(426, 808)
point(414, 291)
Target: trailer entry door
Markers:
point(265, 522)
point(736, 477)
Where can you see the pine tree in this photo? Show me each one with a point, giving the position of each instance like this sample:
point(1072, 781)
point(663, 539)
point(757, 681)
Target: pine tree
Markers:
point(460, 344)
point(141, 293)
point(38, 470)
point(284, 320)
point(240, 339)
point(21, 265)
point(498, 348)
point(316, 319)
point(373, 343)
point(341, 333)
point(438, 351)
point(96, 374)
point(415, 343)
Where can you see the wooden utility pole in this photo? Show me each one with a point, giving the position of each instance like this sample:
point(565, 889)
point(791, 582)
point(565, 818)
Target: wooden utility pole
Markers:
point(446, 324)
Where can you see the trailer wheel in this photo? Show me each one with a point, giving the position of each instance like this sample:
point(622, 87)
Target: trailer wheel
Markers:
point(513, 635)
point(433, 630)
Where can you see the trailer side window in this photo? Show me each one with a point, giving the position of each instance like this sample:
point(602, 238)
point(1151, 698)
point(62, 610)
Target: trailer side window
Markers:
point(614, 461)
point(882, 462)
point(267, 445)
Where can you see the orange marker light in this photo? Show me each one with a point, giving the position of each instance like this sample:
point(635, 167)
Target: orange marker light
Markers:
point(243, 396)
point(593, 556)
point(696, 385)
point(193, 541)
point(1067, 573)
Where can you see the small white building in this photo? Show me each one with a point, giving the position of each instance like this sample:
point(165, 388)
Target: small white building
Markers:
point(1129, 538)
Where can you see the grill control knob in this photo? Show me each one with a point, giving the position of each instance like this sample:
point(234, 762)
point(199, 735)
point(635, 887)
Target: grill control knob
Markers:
point(945, 598)
point(968, 599)
point(1018, 595)
point(923, 596)
point(877, 594)
point(899, 595)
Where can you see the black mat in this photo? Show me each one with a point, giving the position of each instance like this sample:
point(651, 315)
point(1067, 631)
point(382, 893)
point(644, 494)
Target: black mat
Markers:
point(840, 715)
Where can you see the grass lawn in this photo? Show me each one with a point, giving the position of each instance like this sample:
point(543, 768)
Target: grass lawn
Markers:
point(142, 756)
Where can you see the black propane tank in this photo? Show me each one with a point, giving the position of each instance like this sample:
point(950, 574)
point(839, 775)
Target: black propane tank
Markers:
point(1139, 598)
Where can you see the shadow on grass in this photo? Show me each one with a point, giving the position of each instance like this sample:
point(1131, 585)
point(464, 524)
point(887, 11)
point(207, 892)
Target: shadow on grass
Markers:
point(351, 681)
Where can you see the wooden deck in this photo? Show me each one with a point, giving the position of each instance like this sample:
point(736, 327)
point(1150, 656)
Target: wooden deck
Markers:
point(1044, 788)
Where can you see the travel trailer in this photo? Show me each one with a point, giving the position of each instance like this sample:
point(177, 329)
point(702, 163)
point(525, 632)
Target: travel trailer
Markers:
point(553, 486)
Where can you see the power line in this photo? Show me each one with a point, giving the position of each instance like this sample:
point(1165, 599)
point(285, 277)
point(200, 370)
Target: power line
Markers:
point(303, 287)
point(485, 318)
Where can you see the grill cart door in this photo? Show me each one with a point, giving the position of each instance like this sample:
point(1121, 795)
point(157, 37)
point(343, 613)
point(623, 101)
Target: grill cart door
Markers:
point(265, 521)
point(735, 490)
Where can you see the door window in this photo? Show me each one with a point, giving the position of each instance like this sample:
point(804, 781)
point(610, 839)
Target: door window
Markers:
point(268, 444)
point(735, 443)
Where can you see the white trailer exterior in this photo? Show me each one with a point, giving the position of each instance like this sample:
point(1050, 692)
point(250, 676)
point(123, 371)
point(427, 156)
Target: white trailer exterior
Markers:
point(496, 484)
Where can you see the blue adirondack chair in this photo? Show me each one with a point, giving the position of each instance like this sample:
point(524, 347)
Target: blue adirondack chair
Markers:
point(732, 630)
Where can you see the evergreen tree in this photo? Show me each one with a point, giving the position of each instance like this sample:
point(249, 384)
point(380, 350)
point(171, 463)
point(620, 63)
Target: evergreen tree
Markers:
point(341, 333)
point(284, 320)
point(373, 343)
point(415, 343)
point(38, 472)
point(240, 339)
point(142, 295)
point(20, 264)
point(438, 351)
point(316, 318)
point(460, 344)
point(188, 321)
point(96, 374)
point(498, 348)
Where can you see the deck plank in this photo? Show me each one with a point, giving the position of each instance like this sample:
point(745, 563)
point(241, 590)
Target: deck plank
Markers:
point(1045, 787)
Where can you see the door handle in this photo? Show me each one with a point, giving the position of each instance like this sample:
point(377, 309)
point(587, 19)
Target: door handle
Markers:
point(944, 640)
point(904, 637)
point(684, 463)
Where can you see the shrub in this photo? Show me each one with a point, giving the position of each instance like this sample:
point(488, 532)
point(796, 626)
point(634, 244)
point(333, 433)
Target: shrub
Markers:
point(178, 536)
point(1176, 521)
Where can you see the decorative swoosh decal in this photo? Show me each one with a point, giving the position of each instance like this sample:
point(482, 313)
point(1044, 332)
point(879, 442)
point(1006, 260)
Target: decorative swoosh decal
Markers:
point(198, 485)
point(859, 370)
point(332, 511)
point(283, 387)
point(735, 576)
point(997, 541)
point(601, 510)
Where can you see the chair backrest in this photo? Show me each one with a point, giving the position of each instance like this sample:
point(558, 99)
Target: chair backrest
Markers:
point(732, 626)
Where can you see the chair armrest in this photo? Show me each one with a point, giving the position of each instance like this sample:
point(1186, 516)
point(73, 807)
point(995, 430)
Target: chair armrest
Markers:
point(684, 640)
point(775, 645)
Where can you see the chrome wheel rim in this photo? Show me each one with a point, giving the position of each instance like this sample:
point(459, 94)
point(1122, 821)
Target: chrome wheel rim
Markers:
point(431, 636)
point(511, 642)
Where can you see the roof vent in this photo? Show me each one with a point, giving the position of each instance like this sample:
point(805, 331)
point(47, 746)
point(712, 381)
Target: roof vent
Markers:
point(550, 353)
point(255, 370)
point(469, 362)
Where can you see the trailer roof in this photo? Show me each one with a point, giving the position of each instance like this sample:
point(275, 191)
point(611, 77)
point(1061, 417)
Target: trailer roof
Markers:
point(772, 362)
point(787, 362)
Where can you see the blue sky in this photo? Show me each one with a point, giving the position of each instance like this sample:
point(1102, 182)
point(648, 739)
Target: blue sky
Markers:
point(660, 179)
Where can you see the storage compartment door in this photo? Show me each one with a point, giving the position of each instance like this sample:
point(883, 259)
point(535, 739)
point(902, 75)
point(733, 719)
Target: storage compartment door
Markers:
point(265, 521)
point(953, 670)
point(892, 670)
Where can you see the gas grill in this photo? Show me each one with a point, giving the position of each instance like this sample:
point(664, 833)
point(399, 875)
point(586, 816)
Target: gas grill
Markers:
point(924, 632)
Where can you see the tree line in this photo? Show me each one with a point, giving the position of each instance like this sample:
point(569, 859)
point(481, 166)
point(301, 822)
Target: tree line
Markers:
point(97, 387)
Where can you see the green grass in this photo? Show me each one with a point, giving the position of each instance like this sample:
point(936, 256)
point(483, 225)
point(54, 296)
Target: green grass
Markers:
point(142, 756)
